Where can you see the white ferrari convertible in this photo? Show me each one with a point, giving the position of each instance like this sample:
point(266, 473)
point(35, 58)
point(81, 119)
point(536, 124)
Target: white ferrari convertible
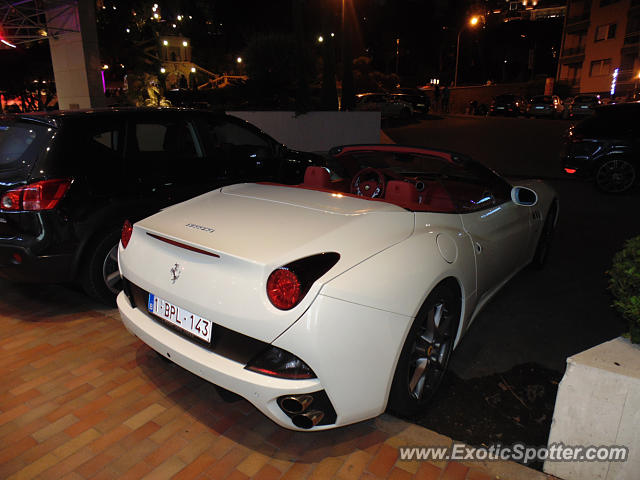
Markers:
point(327, 302)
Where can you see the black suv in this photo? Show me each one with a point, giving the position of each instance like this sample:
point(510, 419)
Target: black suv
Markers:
point(606, 147)
point(68, 180)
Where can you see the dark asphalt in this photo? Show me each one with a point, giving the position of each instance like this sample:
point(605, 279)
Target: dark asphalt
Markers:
point(540, 316)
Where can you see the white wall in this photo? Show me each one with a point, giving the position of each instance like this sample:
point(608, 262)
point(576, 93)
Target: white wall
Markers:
point(75, 56)
point(317, 131)
point(598, 403)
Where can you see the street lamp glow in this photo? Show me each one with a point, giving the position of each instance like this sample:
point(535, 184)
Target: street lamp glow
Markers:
point(239, 59)
point(320, 39)
point(333, 34)
point(165, 42)
point(179, 18)
point(156, 16)
point(473, 21)
point(184, 44)
point(193, 69)
point(105, 67)
point(162, 70)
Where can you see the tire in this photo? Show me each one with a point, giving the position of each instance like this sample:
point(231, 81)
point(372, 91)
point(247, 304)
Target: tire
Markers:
point(426, 352)
point(546, 237)
point(100, 276)
point(615, 175)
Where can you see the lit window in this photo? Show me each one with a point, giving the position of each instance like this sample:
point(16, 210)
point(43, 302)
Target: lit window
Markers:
point(604, 32)
point(600, 68)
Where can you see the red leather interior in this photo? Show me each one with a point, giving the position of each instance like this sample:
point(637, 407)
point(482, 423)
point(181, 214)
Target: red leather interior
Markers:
point(401, 192)
point(317, 177)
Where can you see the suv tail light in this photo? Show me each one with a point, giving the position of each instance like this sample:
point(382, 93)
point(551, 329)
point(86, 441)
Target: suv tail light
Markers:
point(287, 285)
point(127, 230)
point(43, 195)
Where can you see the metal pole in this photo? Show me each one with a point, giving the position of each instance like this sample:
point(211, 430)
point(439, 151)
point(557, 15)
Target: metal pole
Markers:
point(455, 78)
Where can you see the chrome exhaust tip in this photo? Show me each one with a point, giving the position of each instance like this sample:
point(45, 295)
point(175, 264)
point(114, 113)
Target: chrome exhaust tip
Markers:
point(295, 404)
point(308, 420)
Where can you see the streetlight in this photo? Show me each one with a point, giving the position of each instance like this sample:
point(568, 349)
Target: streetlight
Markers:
point(473, 21)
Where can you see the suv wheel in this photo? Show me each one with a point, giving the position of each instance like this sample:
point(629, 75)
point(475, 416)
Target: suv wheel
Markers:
point(100, 275)
point(615, 175)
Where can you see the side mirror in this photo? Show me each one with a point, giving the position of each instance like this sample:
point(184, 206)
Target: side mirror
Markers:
point(524, 196)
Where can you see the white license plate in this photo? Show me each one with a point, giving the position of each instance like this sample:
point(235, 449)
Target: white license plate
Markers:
point(184, 319)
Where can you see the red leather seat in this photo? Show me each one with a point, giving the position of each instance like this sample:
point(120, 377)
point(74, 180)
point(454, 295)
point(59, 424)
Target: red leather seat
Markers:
point(437, 198)
point(401, 192)
point(317, 177)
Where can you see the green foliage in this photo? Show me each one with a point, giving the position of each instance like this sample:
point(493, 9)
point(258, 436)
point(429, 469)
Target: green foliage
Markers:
point(624, 283)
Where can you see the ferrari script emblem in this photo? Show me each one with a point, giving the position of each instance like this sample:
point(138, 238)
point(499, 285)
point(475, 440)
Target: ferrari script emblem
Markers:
point(175, 271)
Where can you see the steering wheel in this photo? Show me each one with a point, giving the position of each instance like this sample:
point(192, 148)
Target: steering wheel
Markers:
point(368, 182)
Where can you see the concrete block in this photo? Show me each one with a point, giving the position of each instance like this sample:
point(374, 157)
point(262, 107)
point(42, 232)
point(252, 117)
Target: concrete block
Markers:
point(598, 404)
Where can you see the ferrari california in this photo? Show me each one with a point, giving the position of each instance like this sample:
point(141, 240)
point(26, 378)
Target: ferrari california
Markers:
point(325, 303)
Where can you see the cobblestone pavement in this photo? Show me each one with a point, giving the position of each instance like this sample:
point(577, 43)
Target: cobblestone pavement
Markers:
point(84, 399)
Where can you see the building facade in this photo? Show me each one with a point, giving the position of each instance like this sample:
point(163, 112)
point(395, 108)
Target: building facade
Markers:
point(600, 47)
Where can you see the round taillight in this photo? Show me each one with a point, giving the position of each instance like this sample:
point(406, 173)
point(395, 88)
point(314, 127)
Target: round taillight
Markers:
point(283, 289)
point(127, 230)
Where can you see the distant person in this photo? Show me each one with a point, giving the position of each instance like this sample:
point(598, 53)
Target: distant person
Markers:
point(445, 99)
point(183, 82)
point(436, 97)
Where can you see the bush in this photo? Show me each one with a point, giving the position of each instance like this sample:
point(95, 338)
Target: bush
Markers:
point(624, 283)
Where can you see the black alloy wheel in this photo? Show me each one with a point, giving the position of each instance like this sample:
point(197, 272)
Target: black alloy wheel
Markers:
point(615, 175)
point(426, 352)
point(100, 275)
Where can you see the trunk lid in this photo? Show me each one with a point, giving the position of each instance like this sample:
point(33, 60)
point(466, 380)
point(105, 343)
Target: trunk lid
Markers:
point(254, 229)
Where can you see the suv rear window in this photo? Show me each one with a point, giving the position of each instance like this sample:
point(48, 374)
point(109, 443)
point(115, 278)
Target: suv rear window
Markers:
point(21, 143)
point(610, 122)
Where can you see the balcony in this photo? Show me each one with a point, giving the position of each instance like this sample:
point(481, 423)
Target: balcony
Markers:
point(568, 52)
point(632, 38)
point(581, 17)
point(573, 55)
point(578, 23)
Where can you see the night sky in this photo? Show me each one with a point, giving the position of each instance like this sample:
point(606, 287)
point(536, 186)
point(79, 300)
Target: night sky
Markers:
point(426, 31)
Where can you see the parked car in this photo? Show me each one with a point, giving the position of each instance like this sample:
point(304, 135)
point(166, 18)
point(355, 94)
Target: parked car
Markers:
point(325, 302)
point(68, 180)
point(508, 104)
point(545, 106)
point(606, 147)
point(581, 106)
point(385, 104)
point(419, 102)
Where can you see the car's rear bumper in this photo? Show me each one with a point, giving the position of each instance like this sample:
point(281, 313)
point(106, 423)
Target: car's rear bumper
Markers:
point(353, 350)
point(261, 390)
point(18, 264)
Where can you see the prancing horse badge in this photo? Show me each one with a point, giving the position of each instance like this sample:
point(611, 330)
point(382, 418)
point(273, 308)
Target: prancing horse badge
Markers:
point(175, 271)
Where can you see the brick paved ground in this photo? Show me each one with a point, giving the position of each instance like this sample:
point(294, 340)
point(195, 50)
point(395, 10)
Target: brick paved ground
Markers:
point(83, 399)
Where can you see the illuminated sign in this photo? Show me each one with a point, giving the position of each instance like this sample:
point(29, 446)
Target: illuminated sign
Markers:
point(613, 81)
